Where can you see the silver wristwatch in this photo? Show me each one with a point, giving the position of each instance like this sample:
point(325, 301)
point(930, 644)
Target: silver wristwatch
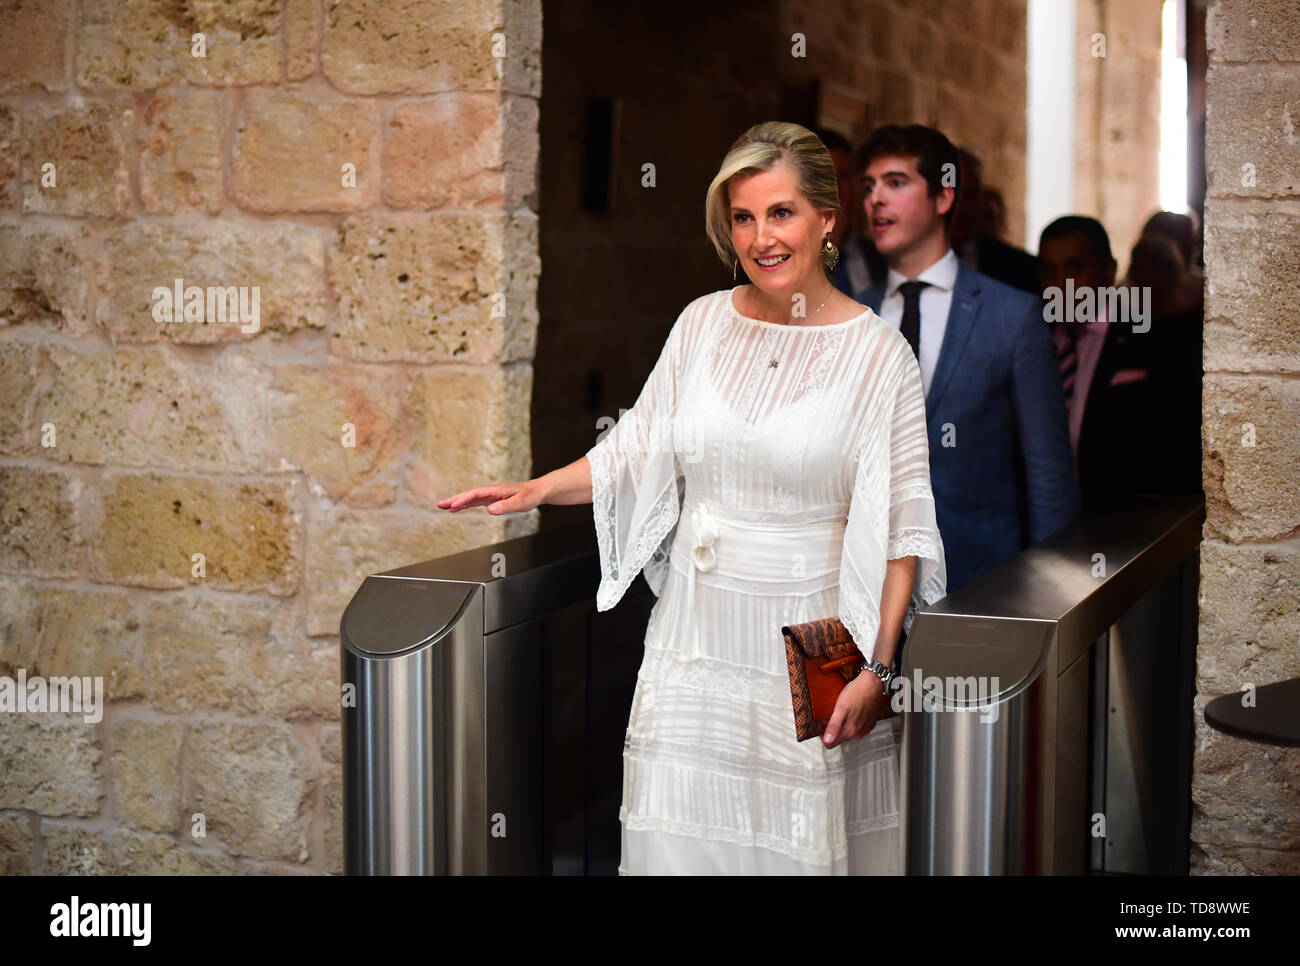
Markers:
point(885, 673)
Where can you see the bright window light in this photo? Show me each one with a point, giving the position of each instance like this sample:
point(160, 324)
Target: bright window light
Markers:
point(1173, 114)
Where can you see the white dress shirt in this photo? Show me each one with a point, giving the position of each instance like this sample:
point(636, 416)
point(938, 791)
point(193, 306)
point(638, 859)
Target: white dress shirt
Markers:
point(936, 300)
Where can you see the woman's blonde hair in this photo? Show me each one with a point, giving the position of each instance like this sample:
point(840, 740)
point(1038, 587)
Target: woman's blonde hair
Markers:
point(757, 150)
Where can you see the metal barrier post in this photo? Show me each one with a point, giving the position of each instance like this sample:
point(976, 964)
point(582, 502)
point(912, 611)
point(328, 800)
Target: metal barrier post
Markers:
point(1050, 726)
point(451, 706)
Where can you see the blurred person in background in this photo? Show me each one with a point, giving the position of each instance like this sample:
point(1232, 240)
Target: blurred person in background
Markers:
point(1177, 330)
point(993, 214)
point(1121, 376)
point(985, 253)
point(860, 265)
point(1183, 231)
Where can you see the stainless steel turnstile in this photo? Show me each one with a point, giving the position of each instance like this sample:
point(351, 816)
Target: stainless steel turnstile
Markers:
point(486, 703)
point(474, 741)
point(1057, 735)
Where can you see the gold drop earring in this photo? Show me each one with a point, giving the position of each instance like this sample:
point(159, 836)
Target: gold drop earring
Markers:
point(830, 254)
point(734, 266)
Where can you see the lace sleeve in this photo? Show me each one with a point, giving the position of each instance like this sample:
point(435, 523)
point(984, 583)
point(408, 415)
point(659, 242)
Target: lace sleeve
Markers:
point(891, 514)
point(636, 482)
point(913, 528)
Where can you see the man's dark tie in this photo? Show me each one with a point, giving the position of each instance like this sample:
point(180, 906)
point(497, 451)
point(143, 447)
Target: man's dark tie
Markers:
point(1067, 357)
point(911, 325)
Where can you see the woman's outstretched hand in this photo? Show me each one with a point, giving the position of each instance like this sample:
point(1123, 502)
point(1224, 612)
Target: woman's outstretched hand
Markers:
point(498, 498)
point(860, 705)
point(568, 485)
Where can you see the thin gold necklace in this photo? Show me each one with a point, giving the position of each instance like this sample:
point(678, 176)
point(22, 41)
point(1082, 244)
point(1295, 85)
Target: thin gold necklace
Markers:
point(774, 361)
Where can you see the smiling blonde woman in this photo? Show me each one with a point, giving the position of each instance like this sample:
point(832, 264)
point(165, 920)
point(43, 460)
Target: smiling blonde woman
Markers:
point(773, 470)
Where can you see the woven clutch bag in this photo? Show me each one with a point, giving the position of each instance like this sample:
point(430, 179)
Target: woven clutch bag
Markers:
point(822, 660)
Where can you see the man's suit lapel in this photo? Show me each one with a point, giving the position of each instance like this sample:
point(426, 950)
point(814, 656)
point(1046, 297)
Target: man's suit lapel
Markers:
point(961, 322)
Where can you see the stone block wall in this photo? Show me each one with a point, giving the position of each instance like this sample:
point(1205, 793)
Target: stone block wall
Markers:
point(367, 168)
point(1246, 796)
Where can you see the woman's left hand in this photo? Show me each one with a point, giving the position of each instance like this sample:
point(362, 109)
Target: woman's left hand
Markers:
point(860, 704)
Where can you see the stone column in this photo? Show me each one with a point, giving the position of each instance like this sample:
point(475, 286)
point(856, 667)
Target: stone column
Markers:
point(1246, 813)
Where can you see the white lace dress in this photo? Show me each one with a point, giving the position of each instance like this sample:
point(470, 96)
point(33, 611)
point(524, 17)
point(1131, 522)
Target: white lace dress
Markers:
point(755, 495)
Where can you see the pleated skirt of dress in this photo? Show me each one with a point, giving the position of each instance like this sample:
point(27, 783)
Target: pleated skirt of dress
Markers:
point(714, 781)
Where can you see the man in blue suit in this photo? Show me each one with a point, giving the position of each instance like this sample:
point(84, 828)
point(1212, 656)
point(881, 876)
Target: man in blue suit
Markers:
point(1000, 461)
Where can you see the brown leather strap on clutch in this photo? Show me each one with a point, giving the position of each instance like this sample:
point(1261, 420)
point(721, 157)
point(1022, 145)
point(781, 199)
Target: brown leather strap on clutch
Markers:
point(822, 659)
